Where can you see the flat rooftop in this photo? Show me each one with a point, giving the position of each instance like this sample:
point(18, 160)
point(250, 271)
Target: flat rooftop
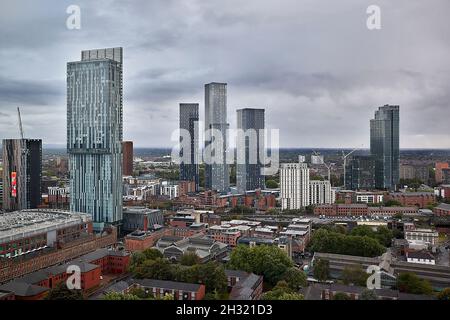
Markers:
point(19, 224)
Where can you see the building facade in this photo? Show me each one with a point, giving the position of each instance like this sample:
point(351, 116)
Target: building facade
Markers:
point(127, 148)
point(294, 184)
point(250, 141)
point(319, 192)
point(22, 174)
point(94, 134)
point(216, 172)
point(189, 122)
point(360, 173)
point(385, 146)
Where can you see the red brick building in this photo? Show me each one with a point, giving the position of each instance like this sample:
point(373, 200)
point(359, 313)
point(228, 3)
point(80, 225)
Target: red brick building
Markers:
point(186, 187)
point(127, 149)
point(442, 210)
point(417, 199)
point(438, 171)
point(180, 290)
point(141, 240)
point(342, 210)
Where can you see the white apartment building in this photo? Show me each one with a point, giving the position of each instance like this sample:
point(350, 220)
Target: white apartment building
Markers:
point(294, 180)
point(320, 192)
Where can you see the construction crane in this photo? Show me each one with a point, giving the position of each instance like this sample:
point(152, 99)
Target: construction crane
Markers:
point(20, 123)
point(328, 166)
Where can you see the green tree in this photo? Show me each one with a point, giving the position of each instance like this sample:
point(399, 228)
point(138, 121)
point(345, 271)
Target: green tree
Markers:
point(444, 294)
point(152, 254)
point(368, 295)
point(341, 296)
point(159, 268)
point(120, 296)
point(271, 184)
point(211, 274)
point(294, 278)
point(410, 283)
point(61, 292)
point(392, 203)
point(355, 275)
point(189, 259)
point(282, 291)
point(321, 269)
point(268, 261)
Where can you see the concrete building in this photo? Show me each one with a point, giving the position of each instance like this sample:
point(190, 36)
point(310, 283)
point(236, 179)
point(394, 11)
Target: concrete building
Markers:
point(320, 192)
point(94, 134)
point(438, 167)
point(189, 121)
point(250, 141)
point(216, 172)
point(22, 173)
point(127, 160)
point(385, 146)
point(294, 184)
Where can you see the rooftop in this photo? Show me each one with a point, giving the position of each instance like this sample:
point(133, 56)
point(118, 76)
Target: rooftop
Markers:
point(151, 283)
point(19, 224)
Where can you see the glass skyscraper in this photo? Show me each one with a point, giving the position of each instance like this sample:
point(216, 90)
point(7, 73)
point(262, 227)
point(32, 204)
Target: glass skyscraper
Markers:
point(360, 173)
point(248, 167)
point(385, 146)
point(189, 122)
point(94, 134)
point(22, 173)
point(217, 172)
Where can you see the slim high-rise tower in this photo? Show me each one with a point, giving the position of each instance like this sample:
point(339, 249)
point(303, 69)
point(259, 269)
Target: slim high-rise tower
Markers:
point(189, 122)
point(127, 162)
point(250, 123)
point(216, 172)
point(22, 173)
point(94, 134)
point(385, 146)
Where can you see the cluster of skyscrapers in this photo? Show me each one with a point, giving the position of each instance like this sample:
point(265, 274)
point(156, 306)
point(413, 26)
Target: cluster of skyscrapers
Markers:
point(217, 170)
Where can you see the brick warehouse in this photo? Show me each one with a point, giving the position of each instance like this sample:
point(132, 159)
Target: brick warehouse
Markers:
point(418, 199)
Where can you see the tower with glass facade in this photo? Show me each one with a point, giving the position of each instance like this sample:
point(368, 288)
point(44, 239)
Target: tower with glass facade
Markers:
point(217, 170)
point(250, 125)
point(189, 122)
point(385, 146)
point(94, 134)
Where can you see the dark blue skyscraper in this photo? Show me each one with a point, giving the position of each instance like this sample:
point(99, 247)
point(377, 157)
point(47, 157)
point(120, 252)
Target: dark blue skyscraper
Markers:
point(248, 167)
point(189, 123)
point(385, 146)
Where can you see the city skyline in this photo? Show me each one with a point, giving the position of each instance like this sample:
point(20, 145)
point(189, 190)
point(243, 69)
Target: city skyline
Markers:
point(296, 76)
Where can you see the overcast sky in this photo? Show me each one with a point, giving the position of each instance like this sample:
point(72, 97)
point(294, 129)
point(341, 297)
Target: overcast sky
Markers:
point(312, 64)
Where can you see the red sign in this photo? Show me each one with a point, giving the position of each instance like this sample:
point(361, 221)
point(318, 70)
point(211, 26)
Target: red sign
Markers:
point(13, 184)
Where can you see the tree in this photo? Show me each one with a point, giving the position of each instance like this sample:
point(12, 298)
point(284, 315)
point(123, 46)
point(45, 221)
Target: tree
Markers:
point(444, 294)
point(392, 203)
point(271, 184)
point(159, 269)
point(410, 283)
point(189, 259)
point(341, 296)
point(211, 274)
point(368, 295)
point(282, 291)
point(327, 241)
point(294, 278)
point(321, 269)
point(383, 235)
point(152, 254)
point(120, 296)
point(268, 261)
point(355, 275)
point(61, 292)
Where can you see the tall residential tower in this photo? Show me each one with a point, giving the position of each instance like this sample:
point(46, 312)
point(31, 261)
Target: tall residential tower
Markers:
point(385, 146)
point(22, 173)
point(217, 170)
point(250, 123)
point(94, 134)
point(189, 123)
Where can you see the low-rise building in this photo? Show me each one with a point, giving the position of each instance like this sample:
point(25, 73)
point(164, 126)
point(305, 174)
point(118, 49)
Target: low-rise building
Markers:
point(180, 290)
point(442, 209)
point(423, 257)
point(244, 285)
point(428, 236)
point(417, 199)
